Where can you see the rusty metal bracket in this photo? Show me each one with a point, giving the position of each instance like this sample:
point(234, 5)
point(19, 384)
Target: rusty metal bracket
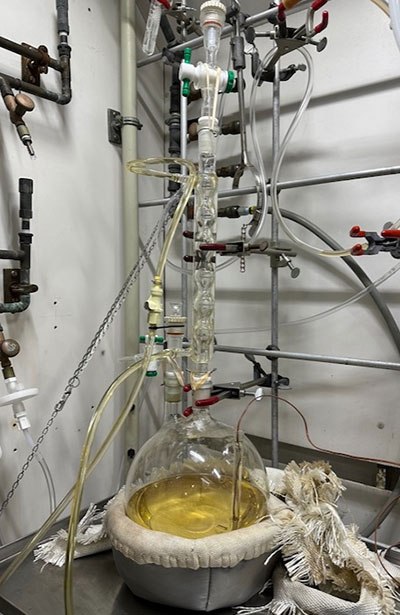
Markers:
point(32, 69)
point(10, 277)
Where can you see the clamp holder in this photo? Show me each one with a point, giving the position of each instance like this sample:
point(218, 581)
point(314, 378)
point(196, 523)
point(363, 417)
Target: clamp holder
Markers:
point(387, 241)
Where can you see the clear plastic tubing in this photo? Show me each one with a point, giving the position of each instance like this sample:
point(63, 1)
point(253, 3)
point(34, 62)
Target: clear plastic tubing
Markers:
point(329, 312)
point(280, 157)
point(394, 7)
point(152, 27)
point(83, 470)
point(141, 167)
point(257, 150)
point(45, 469)
point(382, 4)
point(118, 424)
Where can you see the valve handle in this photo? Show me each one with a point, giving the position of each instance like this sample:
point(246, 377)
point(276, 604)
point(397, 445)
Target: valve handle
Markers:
point(10, 348)
point(24, 104)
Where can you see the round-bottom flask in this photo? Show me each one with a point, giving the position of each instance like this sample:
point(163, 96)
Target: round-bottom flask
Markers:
point(197, 477)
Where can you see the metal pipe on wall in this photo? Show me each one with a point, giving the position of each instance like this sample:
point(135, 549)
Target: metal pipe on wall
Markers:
point(63, 65)
point(129, 184)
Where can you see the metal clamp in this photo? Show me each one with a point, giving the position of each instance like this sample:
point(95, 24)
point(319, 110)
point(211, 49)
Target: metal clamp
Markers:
point(115, 121)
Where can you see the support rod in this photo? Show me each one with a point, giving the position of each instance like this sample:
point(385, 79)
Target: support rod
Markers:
point(298, 183)
point(276, 121)
point(316, 358)
point(197, 42)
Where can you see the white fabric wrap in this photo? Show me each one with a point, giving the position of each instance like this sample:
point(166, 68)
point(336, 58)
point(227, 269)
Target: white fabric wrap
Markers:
point(294, 597)
point(145, 546)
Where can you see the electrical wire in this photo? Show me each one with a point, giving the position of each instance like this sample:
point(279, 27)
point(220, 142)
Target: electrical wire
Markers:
point(386, 462)
point(45, 470)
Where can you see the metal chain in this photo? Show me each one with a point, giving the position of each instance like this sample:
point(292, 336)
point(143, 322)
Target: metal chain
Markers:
point(74, 381)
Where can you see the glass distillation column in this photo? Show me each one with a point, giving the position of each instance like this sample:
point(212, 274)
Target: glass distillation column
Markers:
point(212, 18)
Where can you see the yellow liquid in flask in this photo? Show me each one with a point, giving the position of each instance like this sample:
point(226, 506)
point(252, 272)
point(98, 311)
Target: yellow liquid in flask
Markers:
point(194, 505)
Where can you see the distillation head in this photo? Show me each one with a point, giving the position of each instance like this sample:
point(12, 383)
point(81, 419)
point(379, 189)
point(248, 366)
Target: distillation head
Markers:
point(212, 19)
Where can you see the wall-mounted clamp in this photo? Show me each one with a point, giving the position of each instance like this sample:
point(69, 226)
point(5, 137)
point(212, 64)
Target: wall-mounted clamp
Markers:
point(115, 121)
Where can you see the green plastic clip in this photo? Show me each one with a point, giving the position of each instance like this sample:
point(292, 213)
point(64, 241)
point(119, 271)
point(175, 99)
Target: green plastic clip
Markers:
point(231, 81)
point(158, 339)
point(151, 374)
point(187, 56)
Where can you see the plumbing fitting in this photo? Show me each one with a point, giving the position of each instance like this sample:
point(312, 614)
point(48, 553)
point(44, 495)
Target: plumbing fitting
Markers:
point(235, 211)
point(387, 241)
point(17, 285)
point(17, 106)
point(154, 304)
point(175, 332)
point(17, 393)
point(62, 65)
point(152, 369)
point(203, 75)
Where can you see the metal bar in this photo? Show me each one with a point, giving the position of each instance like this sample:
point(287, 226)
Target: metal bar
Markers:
point(28, 52)
point(276, 121)
point(197, 42)
point(298, 183)
point(316, 358)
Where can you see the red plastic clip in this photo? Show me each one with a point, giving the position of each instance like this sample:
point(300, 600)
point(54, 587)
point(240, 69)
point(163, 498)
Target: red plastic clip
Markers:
point(281, 12)
point(318, 4)
point(187, 388)
point(357, 232)
point(357, 250)
point(210, 401)
point(213, 247)
point(391, 232)
point(165, 4)
point(187, 411)
point(324, 23)
point(188, 234)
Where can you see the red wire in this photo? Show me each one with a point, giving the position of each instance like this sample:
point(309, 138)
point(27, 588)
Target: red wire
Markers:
point(324, 450)
point(318, 448)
